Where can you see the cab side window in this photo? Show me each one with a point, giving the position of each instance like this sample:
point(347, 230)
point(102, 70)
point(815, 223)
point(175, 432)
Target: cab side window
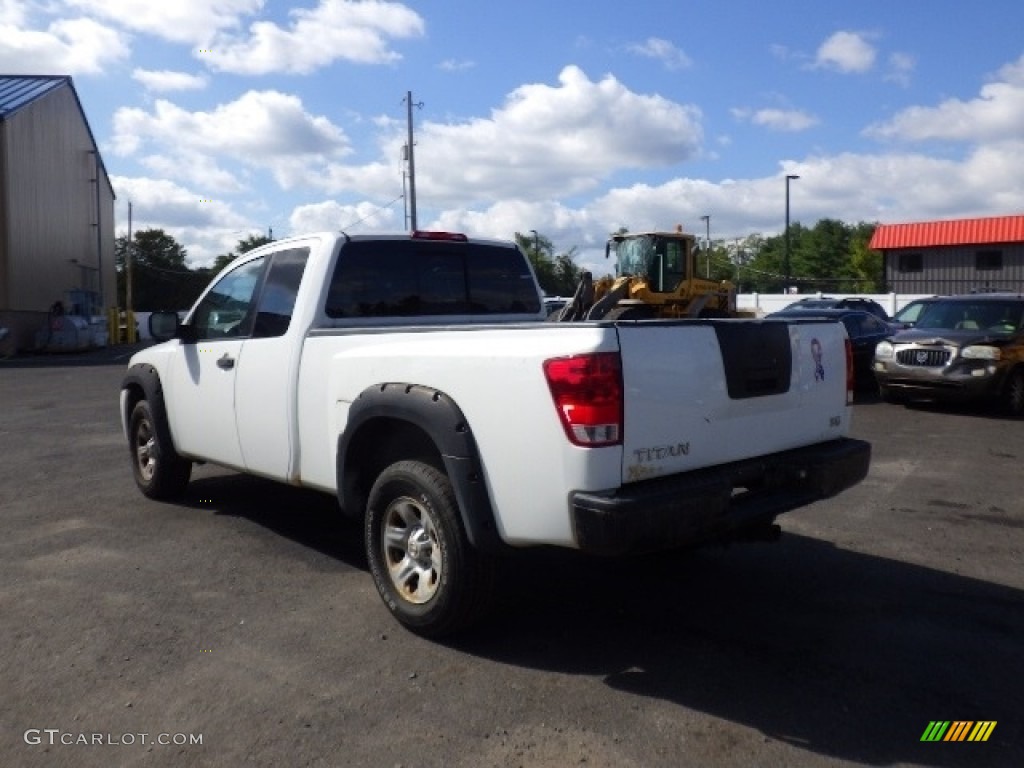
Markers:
point(226, 310)
point(277, 299)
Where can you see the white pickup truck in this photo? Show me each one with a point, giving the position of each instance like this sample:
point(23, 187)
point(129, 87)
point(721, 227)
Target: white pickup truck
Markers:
point(413, 376)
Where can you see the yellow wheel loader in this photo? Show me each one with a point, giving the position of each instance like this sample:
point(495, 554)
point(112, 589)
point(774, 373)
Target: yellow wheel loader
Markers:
point(656, 277)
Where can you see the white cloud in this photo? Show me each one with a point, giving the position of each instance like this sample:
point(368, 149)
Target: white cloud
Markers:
point(206, 228)
point(662, 50)
point(996, 114)
point(164, 80)
point(13, 13)
point(360, 217)
point(846, 52)
point(263, 129)
point(68, 46)
point(901, 67)
point(456, 65)
point(182, 165)
point(850, 187)
point(1012, 73)
point(552, 141)
point(503, 219)
point(181, 21)
point(789, 120)
point(335, 29)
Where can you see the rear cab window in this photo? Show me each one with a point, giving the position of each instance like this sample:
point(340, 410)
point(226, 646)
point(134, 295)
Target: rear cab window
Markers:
point(405, 278)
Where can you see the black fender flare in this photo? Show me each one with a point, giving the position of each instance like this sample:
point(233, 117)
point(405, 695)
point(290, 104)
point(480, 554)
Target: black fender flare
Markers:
point(441, 419)
point(145, 377)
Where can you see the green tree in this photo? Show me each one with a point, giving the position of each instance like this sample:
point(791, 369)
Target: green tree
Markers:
point(865, 263)
point(830, 257)
point(161, 277)
point(567, 273)
point(558, 274)
point(242, 246)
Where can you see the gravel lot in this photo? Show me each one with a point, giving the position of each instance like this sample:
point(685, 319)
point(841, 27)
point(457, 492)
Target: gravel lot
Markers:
point(244, 617)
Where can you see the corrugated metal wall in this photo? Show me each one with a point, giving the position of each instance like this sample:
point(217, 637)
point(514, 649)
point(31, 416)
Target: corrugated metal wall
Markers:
point(953, 270)
point(5, 283)
point(50, 189)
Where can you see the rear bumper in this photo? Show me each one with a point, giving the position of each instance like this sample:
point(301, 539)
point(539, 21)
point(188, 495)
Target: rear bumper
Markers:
point(714, 503)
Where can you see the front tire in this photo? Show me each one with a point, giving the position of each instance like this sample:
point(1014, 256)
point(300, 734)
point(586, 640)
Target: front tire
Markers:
point(426, 571)
point(159, 471)
point(1013, 394)
point(887, 395)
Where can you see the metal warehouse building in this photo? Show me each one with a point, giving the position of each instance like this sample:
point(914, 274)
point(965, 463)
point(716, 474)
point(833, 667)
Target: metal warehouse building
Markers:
point(56, 208)
point(948, 257)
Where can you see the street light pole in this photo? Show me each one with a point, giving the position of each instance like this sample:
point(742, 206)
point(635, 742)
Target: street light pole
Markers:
point(536, 242)
point(789, 178)
point(707, 244)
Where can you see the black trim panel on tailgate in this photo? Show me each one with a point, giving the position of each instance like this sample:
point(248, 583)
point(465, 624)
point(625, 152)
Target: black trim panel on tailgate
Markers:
point(757, 358)
point(717, 502)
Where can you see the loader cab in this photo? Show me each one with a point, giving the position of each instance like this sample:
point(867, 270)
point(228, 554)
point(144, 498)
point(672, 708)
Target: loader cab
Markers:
point(662, 260)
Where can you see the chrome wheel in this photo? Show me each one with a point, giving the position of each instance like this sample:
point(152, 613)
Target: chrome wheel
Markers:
point(145, 449)
point(428, 574)
point(411, 551)
point(159, 471)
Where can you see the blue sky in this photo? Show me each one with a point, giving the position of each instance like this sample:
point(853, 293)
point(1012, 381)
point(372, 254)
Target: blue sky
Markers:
point(223, 118)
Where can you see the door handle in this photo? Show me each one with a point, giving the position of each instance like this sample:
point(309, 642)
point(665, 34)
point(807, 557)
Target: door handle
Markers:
point(225, 362)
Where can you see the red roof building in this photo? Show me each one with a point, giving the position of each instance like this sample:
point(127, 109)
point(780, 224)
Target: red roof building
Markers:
point(957, 256)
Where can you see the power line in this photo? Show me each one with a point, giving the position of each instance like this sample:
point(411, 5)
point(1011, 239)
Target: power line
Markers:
point(373, 213)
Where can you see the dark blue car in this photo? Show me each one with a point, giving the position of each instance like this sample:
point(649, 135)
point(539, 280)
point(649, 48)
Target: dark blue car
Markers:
point(864, 329)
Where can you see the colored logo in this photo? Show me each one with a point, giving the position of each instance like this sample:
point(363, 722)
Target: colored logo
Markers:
point(819, 369)
point(958, 730)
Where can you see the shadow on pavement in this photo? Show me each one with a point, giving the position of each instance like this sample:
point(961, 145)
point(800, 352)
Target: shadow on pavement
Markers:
point(308, 517)
point(841, 653)
point(117, 354)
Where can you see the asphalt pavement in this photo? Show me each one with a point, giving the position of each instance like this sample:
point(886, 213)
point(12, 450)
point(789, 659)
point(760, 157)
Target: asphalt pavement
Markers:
point(240, 626)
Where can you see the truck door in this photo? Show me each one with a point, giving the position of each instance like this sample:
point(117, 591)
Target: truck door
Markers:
point(202, 376)
point(265, 384)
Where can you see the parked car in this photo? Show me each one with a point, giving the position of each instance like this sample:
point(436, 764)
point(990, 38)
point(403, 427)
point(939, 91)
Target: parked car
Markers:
point(907, 316)
point(554, 303)
point(961, 348)
point(850, 302)
point(865, 331)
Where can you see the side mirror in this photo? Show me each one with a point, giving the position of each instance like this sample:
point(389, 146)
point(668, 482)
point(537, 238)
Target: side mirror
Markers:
point(163, 325)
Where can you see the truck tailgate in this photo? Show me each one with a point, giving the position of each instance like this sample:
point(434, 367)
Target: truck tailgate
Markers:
point(704, 392)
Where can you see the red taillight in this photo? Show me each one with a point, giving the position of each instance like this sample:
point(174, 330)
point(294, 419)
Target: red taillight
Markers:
point(849, 371)
point(587, 390)
point(452, 237)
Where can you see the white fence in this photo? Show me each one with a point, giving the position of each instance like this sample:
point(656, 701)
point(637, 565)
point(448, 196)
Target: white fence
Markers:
point(766, 303)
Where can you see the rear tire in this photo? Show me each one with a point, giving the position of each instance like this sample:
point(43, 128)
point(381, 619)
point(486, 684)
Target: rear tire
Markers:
point(425, 569)
point(159, 471)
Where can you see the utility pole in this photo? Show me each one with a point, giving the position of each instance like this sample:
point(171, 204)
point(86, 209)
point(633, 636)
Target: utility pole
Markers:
point(412, 162)
point(405, 191)
point(707, 243)
point(128, 267)
point(789, 178)
point(99, 232)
